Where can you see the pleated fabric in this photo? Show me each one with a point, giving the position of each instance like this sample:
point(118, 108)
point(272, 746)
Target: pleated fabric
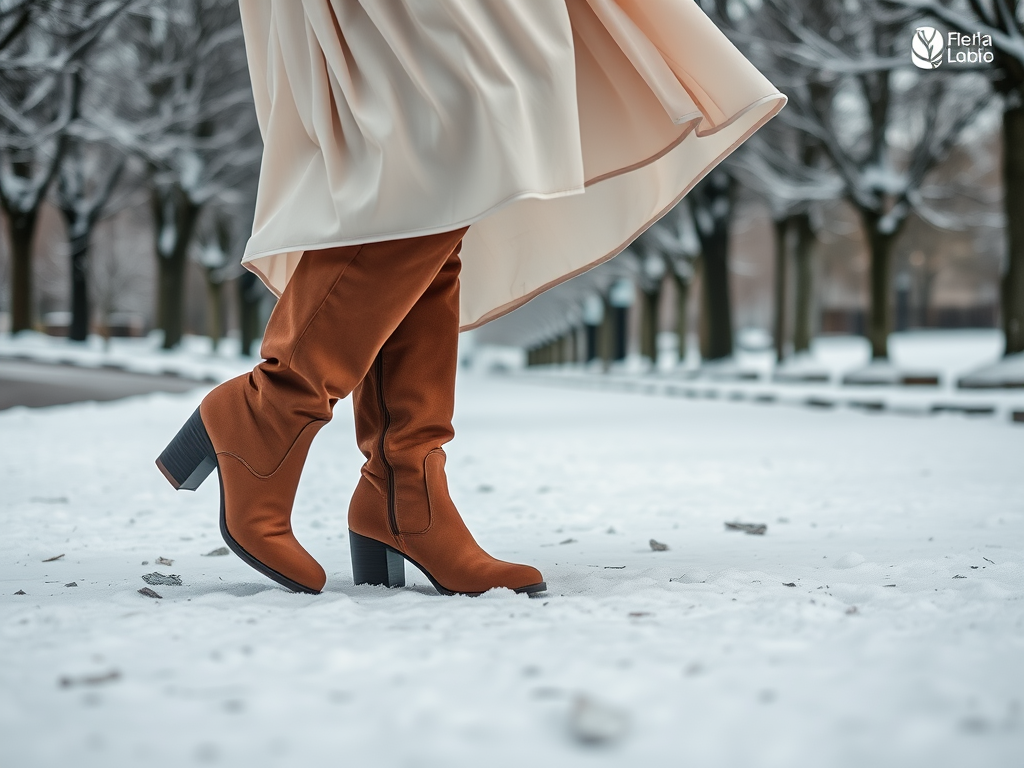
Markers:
point(558, 129)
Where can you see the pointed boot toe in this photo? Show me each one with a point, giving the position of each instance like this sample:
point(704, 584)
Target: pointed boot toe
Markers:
point(521, 578)
point(255, 506)
point(256, 526)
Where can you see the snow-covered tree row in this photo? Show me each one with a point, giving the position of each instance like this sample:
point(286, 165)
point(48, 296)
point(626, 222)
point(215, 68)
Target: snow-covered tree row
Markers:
point(104, 101)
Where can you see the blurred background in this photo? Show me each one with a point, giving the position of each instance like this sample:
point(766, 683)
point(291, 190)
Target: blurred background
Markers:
point(885, 203)
point(730, 584)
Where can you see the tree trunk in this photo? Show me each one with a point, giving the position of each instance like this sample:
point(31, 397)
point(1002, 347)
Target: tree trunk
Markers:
point(172, 208)
point(649, 301)
point(171, 300)
point(781, 261)
point(214, 311)
point(880, 309)
point(23, 227)
point(1013, 179)
point(592, 351)
point(804, 283)
point(249, 295)
point(621, 315)
point(703, 321)
point(716, 296)
point(712, 211)
point(607, 334)
point(79, 246)
point(682, 310)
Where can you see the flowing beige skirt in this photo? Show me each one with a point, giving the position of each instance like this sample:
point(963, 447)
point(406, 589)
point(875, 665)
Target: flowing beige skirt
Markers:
point(558, 129)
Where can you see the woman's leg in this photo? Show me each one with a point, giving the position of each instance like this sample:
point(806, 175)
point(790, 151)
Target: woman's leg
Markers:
point(403, 413)
point(339, 308)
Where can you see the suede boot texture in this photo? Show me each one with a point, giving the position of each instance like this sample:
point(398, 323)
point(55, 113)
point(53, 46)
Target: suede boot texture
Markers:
point(338, 310)
point(403, 414)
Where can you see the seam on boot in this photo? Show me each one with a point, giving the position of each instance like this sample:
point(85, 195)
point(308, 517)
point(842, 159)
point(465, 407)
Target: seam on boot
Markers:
point(426, 485)
point(280, 464)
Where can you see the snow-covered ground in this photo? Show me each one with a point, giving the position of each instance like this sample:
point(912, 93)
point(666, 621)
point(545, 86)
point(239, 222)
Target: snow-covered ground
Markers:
point(878, 622)
point(946, 354)
point(194, 359)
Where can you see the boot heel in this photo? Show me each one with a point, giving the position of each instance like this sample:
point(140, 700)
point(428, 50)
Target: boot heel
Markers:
point(375, 563)
point(189, 458)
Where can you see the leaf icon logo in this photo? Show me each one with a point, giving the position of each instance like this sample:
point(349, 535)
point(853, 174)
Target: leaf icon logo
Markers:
point(926, 48)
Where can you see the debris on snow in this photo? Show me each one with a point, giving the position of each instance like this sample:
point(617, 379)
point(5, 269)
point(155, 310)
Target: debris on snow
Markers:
point(164, 561)
point(106, 677)
point(71, 584)
point(595, 723)
point(568, 541)
point(699, 576)
point(657, 546)
point(158, 579)
point(52, 559)
point(958, 576)
point(789, 583)
point(754, 529)
point(150, 593)
point(218, 552)
point(20, 592)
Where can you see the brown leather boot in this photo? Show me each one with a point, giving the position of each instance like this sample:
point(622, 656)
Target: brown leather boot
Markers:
point(403, 412)
point(337, 311)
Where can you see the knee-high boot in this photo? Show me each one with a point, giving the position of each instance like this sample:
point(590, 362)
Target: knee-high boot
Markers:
point(338, 309)
point(403, 411)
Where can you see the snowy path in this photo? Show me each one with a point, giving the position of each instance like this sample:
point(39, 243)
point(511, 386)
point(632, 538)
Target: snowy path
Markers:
point(701, 653)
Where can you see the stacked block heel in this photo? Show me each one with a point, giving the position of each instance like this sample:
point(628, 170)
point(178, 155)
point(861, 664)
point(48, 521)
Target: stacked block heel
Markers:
point(190, 457)
point(375, 563)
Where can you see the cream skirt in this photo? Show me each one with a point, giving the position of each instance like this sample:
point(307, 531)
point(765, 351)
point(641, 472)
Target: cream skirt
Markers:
point(558, 129)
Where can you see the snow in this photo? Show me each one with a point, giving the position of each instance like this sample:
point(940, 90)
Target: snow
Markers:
point(753, 376)
point(1007, 372)
point(898, 644)
point(949, 354)
point(196, 359)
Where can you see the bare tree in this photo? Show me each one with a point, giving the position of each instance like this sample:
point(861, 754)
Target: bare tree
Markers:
point(218, 241)
point(194, 124)
point(1003, 22)
point(712, 204)
point(785, 167)
point(41, 48)
point(673, 241)
point(87, 179)
point(884, 126)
